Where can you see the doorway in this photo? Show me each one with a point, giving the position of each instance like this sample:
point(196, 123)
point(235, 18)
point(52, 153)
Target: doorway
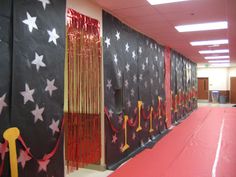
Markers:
point(233, 89)
point(203, 88)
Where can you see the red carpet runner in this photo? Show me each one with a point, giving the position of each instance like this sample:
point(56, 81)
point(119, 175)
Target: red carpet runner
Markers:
point(190, 150)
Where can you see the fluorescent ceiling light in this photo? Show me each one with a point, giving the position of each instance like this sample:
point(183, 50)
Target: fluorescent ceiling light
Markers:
point(202, 26)
point(220, 65)
point(211, 42)
point(156, 2)
point(214, 51)
point(216, 57)
point(218, 61)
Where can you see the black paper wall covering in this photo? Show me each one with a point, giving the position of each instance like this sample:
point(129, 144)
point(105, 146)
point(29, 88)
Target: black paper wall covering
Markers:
point(183, 86)
point(133, 71)
point(32, 76)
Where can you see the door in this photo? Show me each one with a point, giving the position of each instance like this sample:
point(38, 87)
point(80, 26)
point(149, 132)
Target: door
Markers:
point(203, 88)
point(233, 89)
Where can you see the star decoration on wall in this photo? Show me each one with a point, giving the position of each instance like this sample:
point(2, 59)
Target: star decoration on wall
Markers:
point(117, 35)
point(38, 61)
point(143, 67)
point(108, 42)
point(119, 73)
point(109, 85)
point(50, 86)
point(38, 113)
point(127, 47)
point(127, 67)
point(133, 136)
point(140, 77)
point(129, 104)
point(2, 102)
point(23, 158)
point(147, 60)
point(115, 59)
point(54, 126)
point(133, 55)
point(140, 50)
point(110, 113)
point(53, 36)
point(31, 22)
point(151, 81)
point(27, 94)
point(44, 3)
point(126, 83)
point(132, 92)
point(145, 84)
point(134, 78)
point(120, 119)
point(114, 138)
point(43, 165)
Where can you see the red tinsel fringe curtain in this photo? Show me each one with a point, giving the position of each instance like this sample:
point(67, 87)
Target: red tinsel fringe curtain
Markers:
point(82, 125)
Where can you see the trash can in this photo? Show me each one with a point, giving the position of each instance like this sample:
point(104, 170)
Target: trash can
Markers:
point(222, 99)
point(215, 96)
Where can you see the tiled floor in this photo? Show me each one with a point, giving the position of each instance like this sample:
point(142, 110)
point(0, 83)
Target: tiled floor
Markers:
point(94, 173)
point(89, 173)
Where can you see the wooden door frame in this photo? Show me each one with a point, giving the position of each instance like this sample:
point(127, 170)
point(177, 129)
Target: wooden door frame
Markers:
point(207, 86)
point(230, 94)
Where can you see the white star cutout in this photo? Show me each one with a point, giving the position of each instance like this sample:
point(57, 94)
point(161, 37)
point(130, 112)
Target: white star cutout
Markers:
point(132, 92)
point(108, 42)
point(110, 112)
point(53, 36)
point(134, 78)
point(54, 126)
point(156, 58)
point(133, 55)
point(43, 164)
point(27, 94)
point(38, 61)
point(117, 35)
point(50, 86)
point(127, 67)
point(127, 47)
point(140, 77)
point(143, 67)
point(2, 102)
point(129, 103)
point(44, 3)
point(140, 50)
point(115, 59)
point(109, 85)
point(38, 113)
point(31, 22)
point(146, 60)
point(145, 84)
point(23, 158)
point(151, 81)
point(151, 46)
point(155, 46)
point(126, 83)
point(119, 74)
point(153, 67)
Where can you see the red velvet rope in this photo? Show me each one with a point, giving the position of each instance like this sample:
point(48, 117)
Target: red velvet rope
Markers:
point(130, 123)
point(4, 147)
point(109, 120)
point(49, 155)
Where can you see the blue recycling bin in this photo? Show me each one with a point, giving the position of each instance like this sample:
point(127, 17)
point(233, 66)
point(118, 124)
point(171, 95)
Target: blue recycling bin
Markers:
point(215, 96)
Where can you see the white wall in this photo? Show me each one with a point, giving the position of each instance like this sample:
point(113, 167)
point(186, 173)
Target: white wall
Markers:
point(88, 8)
point(219, 78)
